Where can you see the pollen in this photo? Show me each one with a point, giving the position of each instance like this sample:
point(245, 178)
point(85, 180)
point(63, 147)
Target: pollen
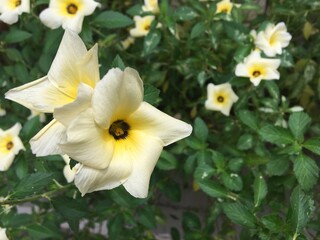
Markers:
point(119, 129)
point(9, 145)
point(72, 8)
point(256, 73)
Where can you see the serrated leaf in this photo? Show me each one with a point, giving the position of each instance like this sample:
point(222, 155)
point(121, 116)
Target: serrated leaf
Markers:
point(214, 189)
point(276, 135)
point(151, 94)
point(277, 167)
point(298, 124)
point(313, 144)
point(239, 214)
point(232, 181)
point(185, 13)
point(112, 20)
point(248, 118)
point(301, 206)
point(167, 161)
point(203, 171)
point(273, 89)
point(259, 189)
point(245, 142)
point(200, 129)
point(306, 171)
point(197, 30)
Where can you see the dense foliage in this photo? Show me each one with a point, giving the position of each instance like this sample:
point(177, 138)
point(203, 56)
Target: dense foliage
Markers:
point(257, 169)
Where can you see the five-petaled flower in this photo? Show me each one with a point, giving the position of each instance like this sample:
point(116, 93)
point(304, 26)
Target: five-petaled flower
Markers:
point(10, 145)
point(68, 13)
point(142, 26)
point(151, 6)
point(11, 9)
point(273, 39)
point(224, 6)
point(119, 138)
point(257, 68)
point(220, 98)
point(69, 85)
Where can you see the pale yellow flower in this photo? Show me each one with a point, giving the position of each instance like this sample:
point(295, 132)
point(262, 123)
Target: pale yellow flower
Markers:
point(127, 42)
point(220, 98)
point(151, 6)
point(273, 39)
point(2, 112)
point(119, 139)
point(11, 9)
point(3, 234)
point(69, 85)
point(10, 145)
point(257, 68)
point(142, 26)
point(67, 13)
point(68, 172)
point(224, 6)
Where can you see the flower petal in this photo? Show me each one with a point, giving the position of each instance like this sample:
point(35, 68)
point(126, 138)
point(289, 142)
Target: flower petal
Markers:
point(87, 143)
point(89, 6)
point(116, 96)
point(73, 23)
point(40, 95)
point(9, 17)
point(158, 124)
point(49, 18)
point(46, 141)
point(6, 160)
point(70, 111)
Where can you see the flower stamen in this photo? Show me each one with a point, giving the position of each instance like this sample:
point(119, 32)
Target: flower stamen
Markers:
point(9, 145)
point(220, 99)
point(119, 129)
point(256, 73)
point(72, 9)
point(17, 3)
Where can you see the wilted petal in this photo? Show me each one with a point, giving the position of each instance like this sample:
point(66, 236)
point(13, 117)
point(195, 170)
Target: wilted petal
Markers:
point(87, 143)
point(117, 95)
point(46, 141)
point(40, 95)
point(69, 112)
point(158, 124)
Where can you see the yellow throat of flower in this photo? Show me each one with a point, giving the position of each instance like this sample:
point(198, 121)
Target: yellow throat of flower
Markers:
point(70, 7)
point(14, 4)
point(6, 144)
point(224, 8)
point(256, 71)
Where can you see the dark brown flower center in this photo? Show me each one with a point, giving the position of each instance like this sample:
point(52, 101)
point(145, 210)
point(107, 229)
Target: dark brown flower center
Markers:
point(119, 129)
point(220, 99)
point(17, 3)
point(9, 145)
point(72, 8)
point(256, 73)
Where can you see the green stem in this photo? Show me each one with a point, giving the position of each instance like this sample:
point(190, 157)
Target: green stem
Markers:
point(34, 197)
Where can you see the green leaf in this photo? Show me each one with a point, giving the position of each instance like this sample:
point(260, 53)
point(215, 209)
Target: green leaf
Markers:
point(248, 118)
point(259, 189)
point(203, 171)
point(277, 166)
point(197, 30)
point(313, 144)
point(151, 41)
point(301, 206)
point(38, 231)
point(273, 89)
point(276, 135)
point(298, 124)
point(245, 142)
point(185, 13)
point(147, 217)
point(232, 181)
point(32, 184)
point(16, 36)
point(151, 94)
point(118, 63)
point(190, 221)
point(13, 54)
point(239, 214)
point(218, 160)
point(235, 164)
point(306, 171)
point(236, 31)
point(112, 20)
point(200, 129)
point(167, 161)
point(215, 190)
point(242, 52)
point(31, 127)
point(115, 226)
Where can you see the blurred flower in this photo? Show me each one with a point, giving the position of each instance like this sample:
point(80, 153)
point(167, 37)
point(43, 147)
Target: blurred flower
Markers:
point(151, 6)
point(69, 85)
point(127, 42)
point(120, 138)
point(224, 6)
point(10, 145)
point(3, 234)
point(11, 9)
point(273, 39)
point(42, 116)
point(68, 13)
point(2, 112)
point(220, 98)
point(68, 172)
point(257, 68)
point(296, 109)
point(142, 26)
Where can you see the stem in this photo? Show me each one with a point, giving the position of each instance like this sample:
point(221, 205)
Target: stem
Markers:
point(35, 197)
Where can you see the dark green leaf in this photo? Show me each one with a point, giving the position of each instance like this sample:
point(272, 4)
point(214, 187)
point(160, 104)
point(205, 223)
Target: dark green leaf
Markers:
point(118, 63)
point(276, 135)
point(203, 171)
point(213, 189)
point(245, 142)
point(151, 94)
point(190, 221)
point(167, 161)
point(239, 214)
point(147, 217)
point(298, 124)
point(313, 144)
point(248, 118)
point(185, 13)
point(235, 164)
point(115, 226)
point(197, 30)
point(260, 189)
point(273, 90)
point(306, 171)
point(112, 19)
point(232, 181)
point(277, 166)
point(16, 36)
point(200, 129)
point(151, 41)
point(38, 231)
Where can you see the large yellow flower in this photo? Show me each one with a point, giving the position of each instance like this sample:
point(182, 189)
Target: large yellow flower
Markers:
point(11, 9)
point(68, 13)
point(69, 85)
point(10, 145)
point(119, 139)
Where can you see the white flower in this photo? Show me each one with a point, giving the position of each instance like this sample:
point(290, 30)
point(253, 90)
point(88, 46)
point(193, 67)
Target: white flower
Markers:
point(151, 6)
point(220, 98)
point(296, 109)
point(224, 6)
point(42, 116)
point(11, 9)
point(3, 234)
point(273, 39)
point(68, 13)
point(10, 145)
point(2, 112)
point(120, 138)
point(257, 68)
point(68, 172)
point(127, 42)
point(69, 85)
point(142, 26)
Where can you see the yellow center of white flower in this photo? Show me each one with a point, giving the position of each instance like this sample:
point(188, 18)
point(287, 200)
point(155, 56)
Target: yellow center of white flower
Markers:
point(224, 7)
point(119, 129)
point(17, 3)
point(256, 73)
point(257, 70)
point(72, 8)
point(146, 25)
point(9, 145)
point(220, 99)
point(14, 4)
point(273, 39)
point(6, 143)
